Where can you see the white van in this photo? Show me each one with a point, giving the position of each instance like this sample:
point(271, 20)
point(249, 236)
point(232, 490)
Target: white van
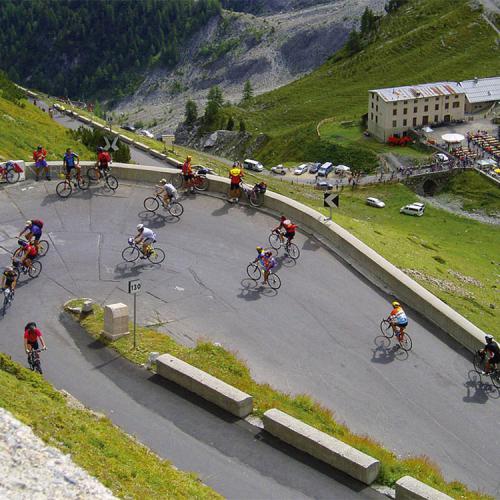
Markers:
point(325, 169)
point(342, 169)
point(416, 209)
point(253, 165)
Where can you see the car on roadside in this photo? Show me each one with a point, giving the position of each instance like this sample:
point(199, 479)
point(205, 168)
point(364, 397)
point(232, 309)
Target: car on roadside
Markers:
point(146, 133)
point(415, 209)
point(128, 127)
point(253, 165)
point(323, 185)
point(301, 169)
point(441, 157)
point(342, 169)
point(279, 170)
point(325, 169)
point(375, 202)
point(314, 167)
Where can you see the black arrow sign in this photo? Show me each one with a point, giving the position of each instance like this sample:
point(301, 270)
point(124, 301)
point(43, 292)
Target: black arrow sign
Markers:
point(330, 200)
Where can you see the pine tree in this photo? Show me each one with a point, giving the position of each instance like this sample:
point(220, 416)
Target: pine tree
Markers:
point(191, 113)
point(243, 127)
point(230, 123)
point(214, 103)
point(247, 92)
point(354, 42)
point(368, 21)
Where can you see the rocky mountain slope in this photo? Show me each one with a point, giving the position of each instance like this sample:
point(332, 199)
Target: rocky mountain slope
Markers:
point(270, 50)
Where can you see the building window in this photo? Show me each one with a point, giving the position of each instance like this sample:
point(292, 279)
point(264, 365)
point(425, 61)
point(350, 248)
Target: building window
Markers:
point(394, 103)
point(456, 96)
point(456, 104)
point(376, 108)
point(372, 117)
point(394, 112)
point(415, 109)
point(447, 97)
point(446, 105)
point(425, 120)
point(372, 105)
point(426, 108)
point(426, 100)
point(405, 122)
point(415, 101)
point(377, 97)
point(405, 111)
point(376, 119)
point(414, 121)
point(436, 118)
point(436, 107)
point(394, 123)
point(405, 102)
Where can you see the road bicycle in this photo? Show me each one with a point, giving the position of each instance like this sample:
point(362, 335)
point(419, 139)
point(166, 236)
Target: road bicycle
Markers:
point(153, 203)
point(8, 297)
point(480, 365)
point(34, 360)
point(95, 175)
point(254, 272)
point(42, 248)
point(133, 252)
point(255, 195)
point(33, 271)
point(10, 172)
point(200, 181)
point(404, 340)
point(65, 187)
point(277, 240)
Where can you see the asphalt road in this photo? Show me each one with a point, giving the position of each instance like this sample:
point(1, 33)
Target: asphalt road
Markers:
point(316, 335)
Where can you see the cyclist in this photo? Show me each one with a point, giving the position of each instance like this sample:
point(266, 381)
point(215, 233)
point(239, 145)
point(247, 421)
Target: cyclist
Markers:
point(71, 161)
point(25, 254)
point(236, 175)
point(103, 161)
point(398, 320)
point(31, 336)
point(9, 279)
point(493, 350)
point(285, 229)
point(167, 190)
point(39, 157)
point(266, 260)
point(146, 237)
point(33, 231)
point(187, 172)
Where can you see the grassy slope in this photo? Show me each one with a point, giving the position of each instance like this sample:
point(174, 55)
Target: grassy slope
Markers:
point(126, 467)
point(226, 366)
point(425, 41)
point(23, 127)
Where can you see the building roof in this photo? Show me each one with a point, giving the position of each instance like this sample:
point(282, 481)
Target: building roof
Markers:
point(482, 89)
point(419, 91)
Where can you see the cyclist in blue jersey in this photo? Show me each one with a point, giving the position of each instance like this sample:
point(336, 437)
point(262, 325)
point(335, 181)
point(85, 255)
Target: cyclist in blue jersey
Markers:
point(398, 319)
point(267, 261)
point(71, 161)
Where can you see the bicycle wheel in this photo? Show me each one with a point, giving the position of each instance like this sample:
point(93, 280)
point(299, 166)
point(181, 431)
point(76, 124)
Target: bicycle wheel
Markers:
point(112, 182)
point(274, 281)
point(275, 241)
point(386, 329)
point(38, 366)
point(12, 176)
point(93, 175)
point(157, 256)
point(176, 209)
point(479, 362)
point(31, 364)
point(293, 251)
point(406, 343)
point(83, 183)
point(43, 248)
point(35, 269)
point(151, 204)
point(177, 180)
point(255, 199)
point(253, 271)
point(200, 183)
point(130, 254)
point(495, 378)
point(64, 189)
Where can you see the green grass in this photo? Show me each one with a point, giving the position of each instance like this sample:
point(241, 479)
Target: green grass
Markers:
point(423, 41)
point(122, 464)
point(226, 366)
point(475, 192)
point(23, 127)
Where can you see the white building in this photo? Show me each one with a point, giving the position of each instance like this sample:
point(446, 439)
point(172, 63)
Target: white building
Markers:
point(481, 93)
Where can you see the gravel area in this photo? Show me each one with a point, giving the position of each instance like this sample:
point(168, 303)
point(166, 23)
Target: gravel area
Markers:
point(31, 470)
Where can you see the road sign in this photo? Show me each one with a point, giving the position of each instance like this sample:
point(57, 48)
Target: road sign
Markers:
point(330, 200)
point(134, 286)
point(109, 145)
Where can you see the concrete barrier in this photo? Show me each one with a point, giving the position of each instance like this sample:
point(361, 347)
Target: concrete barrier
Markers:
point(84, 119)
point(208, 387)
point(326, 448)
point(125, 139)
point(157, 154)
point(141, 146)
point(409, 488)
point(115, 321)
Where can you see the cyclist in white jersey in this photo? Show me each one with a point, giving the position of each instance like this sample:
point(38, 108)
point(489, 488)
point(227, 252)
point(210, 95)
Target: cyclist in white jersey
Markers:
point(145, 236)
point(167, 190)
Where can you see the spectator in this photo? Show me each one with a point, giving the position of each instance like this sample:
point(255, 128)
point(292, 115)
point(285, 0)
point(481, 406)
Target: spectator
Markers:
point(40, 159)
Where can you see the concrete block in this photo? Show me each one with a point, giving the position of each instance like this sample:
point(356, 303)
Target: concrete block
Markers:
point(157, 154)
point(320, 445)
point(409, 488)
point(141, 146)
point(87, 306)
point(125, 139)
point(115, 321)
point(208, 387)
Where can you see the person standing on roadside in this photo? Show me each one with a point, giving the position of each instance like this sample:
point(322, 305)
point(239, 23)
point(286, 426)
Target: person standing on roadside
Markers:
point(40, 159)
point(187, 172)
point(71, 161)
point(236, 175)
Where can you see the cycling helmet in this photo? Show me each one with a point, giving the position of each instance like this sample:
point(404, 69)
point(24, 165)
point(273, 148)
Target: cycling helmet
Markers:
point(39, 146)
point(100, 148)
point(9, 269)
point(396, 304)
point(28, 223)
point(269, 253)
point(188, 158)
point(282, 218)
point(140, 227)
point(163, 181)
point(30, 325)
point(259, 249)
point(488, 337)
point(22, 243)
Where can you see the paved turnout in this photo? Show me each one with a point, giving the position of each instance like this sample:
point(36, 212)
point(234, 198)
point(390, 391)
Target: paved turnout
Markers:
point(316, 335)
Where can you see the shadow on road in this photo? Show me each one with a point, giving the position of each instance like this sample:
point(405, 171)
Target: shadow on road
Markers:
point(129, 269)
point(384, 353)
point(252, 290)
point(154, 220)
point(477, 391)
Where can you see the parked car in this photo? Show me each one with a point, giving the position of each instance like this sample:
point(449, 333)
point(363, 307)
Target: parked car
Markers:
point(146, 133)
point(342, 169)
point(413, 209)
point(313, 169)
point(279, 169)
point(130, 128)
point(375, 202)
point(324, 185)
point(253, 165)
point(301, 169)
point(325, 169)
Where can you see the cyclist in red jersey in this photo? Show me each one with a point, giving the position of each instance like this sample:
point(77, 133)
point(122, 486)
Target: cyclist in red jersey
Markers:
point(25, 253)
point(187, 172)
point(103, 161)
point(31, 337)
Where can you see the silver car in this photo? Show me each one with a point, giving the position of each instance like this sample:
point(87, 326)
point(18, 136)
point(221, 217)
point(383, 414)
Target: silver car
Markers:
point(375, 202)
